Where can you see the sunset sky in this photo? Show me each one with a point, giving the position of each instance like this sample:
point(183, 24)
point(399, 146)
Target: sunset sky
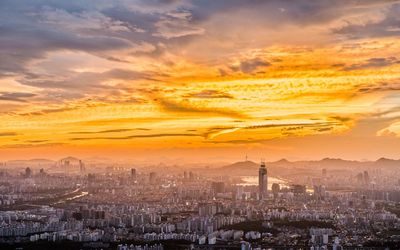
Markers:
point(200, 80)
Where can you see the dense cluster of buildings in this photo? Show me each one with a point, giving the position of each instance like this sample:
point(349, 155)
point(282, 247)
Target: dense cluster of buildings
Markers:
point(132, 209)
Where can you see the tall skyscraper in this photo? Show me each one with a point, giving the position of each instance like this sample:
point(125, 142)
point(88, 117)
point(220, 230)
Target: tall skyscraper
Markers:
point(152, 177)
point(262, 181)
point(28, 172)
point(275, 189)
point(133, 173)
point(366, 178)
point(81, 166)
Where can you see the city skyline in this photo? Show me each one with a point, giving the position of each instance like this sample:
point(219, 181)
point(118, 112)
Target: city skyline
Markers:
point(199, 80)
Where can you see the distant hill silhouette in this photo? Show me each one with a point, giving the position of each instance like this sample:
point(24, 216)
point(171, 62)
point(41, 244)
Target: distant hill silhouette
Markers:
point(282, 167)
point(285, 167)
point(35, 163)
point(242, 165)
point(70, 159)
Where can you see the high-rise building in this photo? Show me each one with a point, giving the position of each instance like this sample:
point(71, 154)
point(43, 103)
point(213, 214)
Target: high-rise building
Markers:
point(152, 177)
point(262, 181)
point(275, 189)
point(91, 178)
point(42, 172)
point(133, 173)
point(239, 192)
point(366, 178)
point(28, 172)
point(191, 176)
point(81, 166)
point(319, 192)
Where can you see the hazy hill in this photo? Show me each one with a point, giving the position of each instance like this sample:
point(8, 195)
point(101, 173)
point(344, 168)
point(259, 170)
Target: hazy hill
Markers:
point(285, 167)
point(70, 159)
point(241, 165)
point(33, 163)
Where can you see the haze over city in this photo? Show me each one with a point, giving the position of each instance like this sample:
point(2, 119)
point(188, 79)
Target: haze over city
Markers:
point(188, 124)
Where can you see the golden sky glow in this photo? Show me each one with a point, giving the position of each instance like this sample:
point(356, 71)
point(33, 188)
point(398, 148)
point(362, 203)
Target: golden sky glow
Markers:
point(201, 80)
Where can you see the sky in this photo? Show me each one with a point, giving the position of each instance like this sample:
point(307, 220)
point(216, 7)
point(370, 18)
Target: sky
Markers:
point(200, 81)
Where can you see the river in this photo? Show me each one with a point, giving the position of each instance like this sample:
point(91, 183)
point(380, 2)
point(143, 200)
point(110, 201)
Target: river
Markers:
point(253, 181)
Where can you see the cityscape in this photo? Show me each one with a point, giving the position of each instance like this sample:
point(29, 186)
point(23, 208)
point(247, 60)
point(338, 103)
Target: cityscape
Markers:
point(72, 204)
point(200, 124)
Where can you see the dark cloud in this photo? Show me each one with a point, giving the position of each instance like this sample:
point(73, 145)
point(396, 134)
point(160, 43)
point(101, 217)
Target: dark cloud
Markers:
point(377, 62)
point(388, 26)
point(300, 12)
point(222, 72)
point(316, 124)
point(250, 66)
point(37, 141)
point(32, 145)
point(48, 111)
point(135, 136)
point(3, 134)
point(107, 29)
point(324, 129)
point(341, 118)
point(24, 38)
point(246, 141)
point(30, 31)
point(87, 80)
point(286, 128)
point(293, 128)
point(100, 132)
point(189, 107)
point(109, 131)
point(389, 115)
point(380, 86)
point(15, 96)
point(210, 93)
point(177, 24)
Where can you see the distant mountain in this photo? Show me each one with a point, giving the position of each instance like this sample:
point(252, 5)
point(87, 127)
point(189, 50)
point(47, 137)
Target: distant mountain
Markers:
point(333, 160)
point(34, 163)
point(43, 161)
point(284, 167)
point(282, 162)
point(329, 163)
point(241, 165)
point(384, 162)
point(70, 159)
point(238, 168)
point(98, 159)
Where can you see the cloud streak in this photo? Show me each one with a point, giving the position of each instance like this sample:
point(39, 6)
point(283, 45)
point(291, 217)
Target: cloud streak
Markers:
point(211, 93)
point(6, 134)
point(373, 63)
point(15, 96)
point(191, 108)
point(136, 136)
point(108, 131)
